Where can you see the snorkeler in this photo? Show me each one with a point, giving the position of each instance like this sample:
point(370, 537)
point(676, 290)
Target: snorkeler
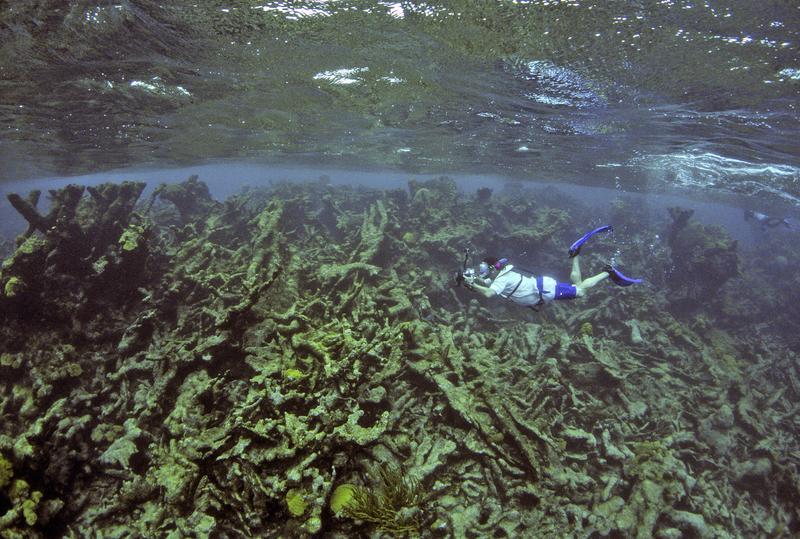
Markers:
point(766, 221)
point(499, 278)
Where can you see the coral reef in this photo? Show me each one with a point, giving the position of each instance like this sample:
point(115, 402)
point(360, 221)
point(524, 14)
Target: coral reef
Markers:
point(181, 366)
point(21, 507)
point(704, 257)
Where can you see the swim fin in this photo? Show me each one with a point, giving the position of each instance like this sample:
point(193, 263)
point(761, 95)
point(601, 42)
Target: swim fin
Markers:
point(575, 248)
point(618, 278)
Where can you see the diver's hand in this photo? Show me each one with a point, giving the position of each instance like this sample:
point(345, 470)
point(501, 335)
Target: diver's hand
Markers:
point(469, 280)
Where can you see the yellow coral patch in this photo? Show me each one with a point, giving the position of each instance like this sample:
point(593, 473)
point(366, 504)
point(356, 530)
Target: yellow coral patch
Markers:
point(73, 369)
point(6, 472)
point(293, 374)
point(131, 238)
point(296, 502)
point(19, 490)
point(341, 496)
point(13, 287)
point(29, 508)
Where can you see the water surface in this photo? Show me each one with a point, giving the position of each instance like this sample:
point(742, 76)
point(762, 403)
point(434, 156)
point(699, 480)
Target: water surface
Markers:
point(644, 96)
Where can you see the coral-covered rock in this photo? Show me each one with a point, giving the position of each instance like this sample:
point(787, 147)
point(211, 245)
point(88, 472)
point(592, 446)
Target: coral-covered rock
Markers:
point(220, 368)
point(704, 257)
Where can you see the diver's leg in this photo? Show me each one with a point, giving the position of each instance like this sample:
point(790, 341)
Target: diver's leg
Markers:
point(575, 274)
point(586, 284)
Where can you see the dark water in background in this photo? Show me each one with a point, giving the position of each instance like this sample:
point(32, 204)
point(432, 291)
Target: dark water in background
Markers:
point(651, 96)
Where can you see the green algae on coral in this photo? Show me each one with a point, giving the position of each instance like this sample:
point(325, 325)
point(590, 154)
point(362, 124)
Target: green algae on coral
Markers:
point(13, 287)
point(342, 495)
point(293, 374)
point(132, 238)
point(6, 471)
point(29, 508)
point(26, 253)
point(296, 502)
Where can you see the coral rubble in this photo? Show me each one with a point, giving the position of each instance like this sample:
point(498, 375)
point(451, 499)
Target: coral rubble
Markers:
point(180, 366)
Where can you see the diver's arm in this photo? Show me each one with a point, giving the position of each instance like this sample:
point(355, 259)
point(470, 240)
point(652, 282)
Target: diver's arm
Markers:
point(484, 291)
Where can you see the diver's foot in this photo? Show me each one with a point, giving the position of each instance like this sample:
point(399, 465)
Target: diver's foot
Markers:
point(575, 248)
point(619, 279)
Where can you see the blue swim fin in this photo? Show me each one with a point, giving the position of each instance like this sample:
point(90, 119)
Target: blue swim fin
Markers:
point(618, 278)
point(575, 248)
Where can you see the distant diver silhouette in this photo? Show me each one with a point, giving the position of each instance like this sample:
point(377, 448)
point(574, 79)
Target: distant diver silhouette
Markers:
point(766, 221)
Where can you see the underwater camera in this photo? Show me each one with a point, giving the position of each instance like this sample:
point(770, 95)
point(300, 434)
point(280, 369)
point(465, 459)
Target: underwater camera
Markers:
point(470, 274)
point(460, 274)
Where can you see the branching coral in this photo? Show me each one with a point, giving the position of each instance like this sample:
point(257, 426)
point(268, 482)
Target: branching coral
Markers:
point(393, 505)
